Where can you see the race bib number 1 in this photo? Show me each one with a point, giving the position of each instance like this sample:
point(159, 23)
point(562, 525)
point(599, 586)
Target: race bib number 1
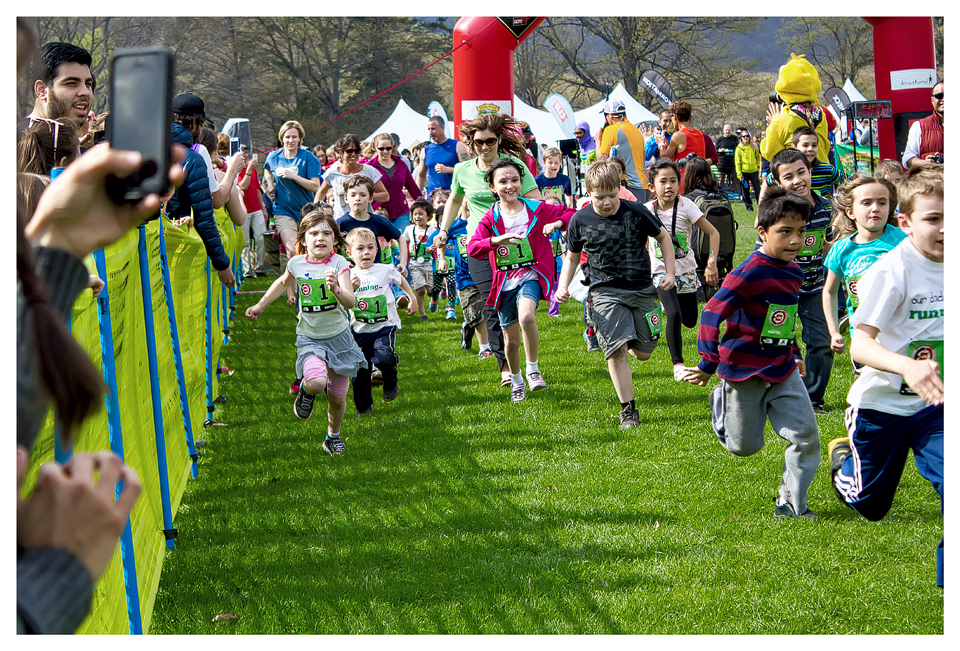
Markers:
point(655, 321)
point(315, 296)
point(932, 350)
point(371, 309)
point(514, 256)
point(779, 326)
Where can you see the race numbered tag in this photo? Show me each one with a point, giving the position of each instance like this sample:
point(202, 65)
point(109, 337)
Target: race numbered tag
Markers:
point(679, 251)
point(557, 245)
point(462, 245)
point(851, 285)
point(779, 326)
point(812, 245)
point(451, 262)
point(514, 256)
point(386, 253)
point(923, 349)
point(315, 296)
point(371, 309)
point(655, 320)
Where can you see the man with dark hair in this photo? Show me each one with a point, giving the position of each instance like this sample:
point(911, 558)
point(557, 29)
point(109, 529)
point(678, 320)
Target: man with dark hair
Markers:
point(196, 193)
point(439, 157)
point(651, 149)
point(63, 84)
point(686, 140)
point(726, 148)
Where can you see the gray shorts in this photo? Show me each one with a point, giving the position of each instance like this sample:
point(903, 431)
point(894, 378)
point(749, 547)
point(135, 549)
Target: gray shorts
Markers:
point(472, 303)
point(284, 222)
point(621, 317)
point(420, 276)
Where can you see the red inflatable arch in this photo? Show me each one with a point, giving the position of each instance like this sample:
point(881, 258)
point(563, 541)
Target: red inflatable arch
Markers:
point(903, 56)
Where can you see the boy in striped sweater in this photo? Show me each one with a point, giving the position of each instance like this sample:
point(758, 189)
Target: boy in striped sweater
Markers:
point(758, 359)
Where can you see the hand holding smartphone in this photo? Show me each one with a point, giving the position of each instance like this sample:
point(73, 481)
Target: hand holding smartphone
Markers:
point(141, 95)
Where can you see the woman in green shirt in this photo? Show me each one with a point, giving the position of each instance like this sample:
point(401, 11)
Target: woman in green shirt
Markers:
point(491, 137)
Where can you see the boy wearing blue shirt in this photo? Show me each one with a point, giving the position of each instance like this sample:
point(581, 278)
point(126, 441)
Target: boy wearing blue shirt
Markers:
point(551, 182)
point(897, 402)
point(357, 191)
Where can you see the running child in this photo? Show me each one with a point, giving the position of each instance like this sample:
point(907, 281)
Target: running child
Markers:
point(897, 402)
point(375, 321)
point(791, 169)
point(551, 182)
point(416, 251)
point(758, 359)
point(513, 236)
point(556, 242)
point(622, 297)
point(678, 215)
point(327, 356)
point(862, 235)
point(358, 193)
point(444, 284)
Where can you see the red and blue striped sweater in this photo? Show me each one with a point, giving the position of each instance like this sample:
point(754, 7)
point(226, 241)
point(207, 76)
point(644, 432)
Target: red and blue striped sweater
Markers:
point(761, 290)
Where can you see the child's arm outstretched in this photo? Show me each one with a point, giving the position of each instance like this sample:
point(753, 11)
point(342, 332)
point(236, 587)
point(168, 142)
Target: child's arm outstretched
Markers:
point(666, 245)
point(570, 262)
point(278, 287)
point(921, 375)
point(342, 288)
point(403, 255)
point(830, 302)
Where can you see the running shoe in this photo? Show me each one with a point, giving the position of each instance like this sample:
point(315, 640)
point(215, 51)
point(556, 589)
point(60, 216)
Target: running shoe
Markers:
point(402, 302)
point(786, 511)
point(485, 354)
point(592, 344)
point(303, 405)
point(433, 305)
point(629, 418)
point(391, 394)
point(424, 318)
point(518, 393)
point(295, 385)
point(376, 377)
point(451, 314)
point(334, 445)
point(466, 337)
point(536, 381)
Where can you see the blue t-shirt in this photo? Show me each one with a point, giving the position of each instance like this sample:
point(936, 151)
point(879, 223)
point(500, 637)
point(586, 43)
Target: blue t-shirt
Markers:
point(457, 236)
point(291, 196)
point(445, 154)
point(382, 228)
point(850, 260)
point(560, 181)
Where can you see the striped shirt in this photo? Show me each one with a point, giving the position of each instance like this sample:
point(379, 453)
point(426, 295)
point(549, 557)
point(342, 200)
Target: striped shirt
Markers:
point(761, 290)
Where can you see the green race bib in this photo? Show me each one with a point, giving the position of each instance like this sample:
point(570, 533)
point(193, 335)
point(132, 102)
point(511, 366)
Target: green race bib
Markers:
point(514, 256)
point(851, 284)
point(371, 309)
point(655, 321)
point(812, 244)
point(923, 349)
point(315, 296)
point(386, 254)
point(678, 251)
point(779, 326)
point(557, 247)
point(462, 244)
point(451, 263)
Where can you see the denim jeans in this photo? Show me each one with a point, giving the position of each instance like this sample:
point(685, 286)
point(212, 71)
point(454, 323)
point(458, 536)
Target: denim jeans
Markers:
point(816, 337)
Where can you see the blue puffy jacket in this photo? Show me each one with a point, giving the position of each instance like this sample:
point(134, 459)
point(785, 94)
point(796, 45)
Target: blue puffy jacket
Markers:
point(195, 194)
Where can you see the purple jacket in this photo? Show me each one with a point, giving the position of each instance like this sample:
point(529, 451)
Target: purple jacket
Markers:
point(544, 264)
point(402, 178)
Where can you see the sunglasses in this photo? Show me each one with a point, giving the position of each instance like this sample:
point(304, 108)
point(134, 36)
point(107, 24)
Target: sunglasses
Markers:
point(489, 142)
point(351, 151)
point(56, 133)
point(384, 148)
point(938, 96)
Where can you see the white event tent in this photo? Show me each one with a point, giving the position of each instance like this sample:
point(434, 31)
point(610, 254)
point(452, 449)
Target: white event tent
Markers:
point(406, 123)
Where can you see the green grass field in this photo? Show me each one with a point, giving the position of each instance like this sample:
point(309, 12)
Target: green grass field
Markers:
point(454, 511)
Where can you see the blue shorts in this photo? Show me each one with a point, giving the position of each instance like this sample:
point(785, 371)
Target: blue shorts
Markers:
point(509, 299)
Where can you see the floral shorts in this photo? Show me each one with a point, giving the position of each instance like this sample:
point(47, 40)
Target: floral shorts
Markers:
point(687, 282)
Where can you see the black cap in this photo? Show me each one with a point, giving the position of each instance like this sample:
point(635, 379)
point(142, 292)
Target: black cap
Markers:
point(188, 104)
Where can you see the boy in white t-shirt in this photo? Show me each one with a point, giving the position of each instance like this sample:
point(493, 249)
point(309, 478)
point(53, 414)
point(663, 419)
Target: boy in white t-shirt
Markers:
point(416, 251)
point(374, 319)
point(897, 402)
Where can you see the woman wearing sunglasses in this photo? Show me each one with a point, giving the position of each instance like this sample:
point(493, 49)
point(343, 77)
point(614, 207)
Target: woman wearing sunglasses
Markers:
point(491, 137)
point(395, 177)
point(348, 163)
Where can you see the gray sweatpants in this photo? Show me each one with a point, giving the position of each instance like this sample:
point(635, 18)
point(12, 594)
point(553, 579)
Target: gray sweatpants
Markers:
point(740, 412)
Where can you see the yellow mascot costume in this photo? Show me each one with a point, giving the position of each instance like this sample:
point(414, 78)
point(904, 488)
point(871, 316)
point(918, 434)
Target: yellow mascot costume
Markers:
point(798, 86)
